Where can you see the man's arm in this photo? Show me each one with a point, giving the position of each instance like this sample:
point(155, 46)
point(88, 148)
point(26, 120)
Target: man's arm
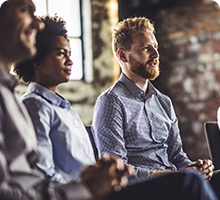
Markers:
point(109, 132)
point(97, 182)
point(175, 151)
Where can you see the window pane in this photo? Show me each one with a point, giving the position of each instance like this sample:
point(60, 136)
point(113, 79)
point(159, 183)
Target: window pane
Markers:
point(76, 57)
point(69, 10)
point(40, 7)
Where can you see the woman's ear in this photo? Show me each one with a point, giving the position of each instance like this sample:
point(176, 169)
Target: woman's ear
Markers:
point(122, 55)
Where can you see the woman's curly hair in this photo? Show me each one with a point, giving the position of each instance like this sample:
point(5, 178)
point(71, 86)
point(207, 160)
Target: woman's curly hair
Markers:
point(54, 26)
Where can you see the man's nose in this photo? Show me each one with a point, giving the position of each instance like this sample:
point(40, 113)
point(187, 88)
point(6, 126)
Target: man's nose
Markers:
point(155, 53)
point(38, 24)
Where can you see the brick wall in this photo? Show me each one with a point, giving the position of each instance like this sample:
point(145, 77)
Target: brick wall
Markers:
point(189, 46)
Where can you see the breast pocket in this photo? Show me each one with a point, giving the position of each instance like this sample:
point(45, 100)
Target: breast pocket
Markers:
point(160, 127)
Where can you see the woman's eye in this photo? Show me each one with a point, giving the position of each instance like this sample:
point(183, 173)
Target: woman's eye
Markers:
point(61, 53)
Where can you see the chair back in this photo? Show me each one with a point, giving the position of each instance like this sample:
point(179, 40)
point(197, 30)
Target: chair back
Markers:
point(213, 139)
point(95, 150)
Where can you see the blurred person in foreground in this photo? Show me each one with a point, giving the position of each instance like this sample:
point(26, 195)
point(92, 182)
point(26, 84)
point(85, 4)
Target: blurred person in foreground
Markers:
point(19, 180)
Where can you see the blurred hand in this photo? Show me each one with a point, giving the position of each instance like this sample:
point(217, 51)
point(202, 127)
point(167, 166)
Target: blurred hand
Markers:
point(205, 167)
point(109, 174)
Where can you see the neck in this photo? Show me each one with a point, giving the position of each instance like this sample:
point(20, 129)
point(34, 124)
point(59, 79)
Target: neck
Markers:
point(139, 81)
point(51, 88)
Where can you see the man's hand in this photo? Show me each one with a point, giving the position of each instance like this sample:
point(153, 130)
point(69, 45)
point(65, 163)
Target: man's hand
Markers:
point(205, 167)
point(109, 174)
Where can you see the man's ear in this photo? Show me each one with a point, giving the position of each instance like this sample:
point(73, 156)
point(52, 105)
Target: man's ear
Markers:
point(122, 55)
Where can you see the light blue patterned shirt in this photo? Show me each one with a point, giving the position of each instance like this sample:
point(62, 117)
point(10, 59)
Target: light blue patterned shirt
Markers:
point(63, 144)
point(141, 129)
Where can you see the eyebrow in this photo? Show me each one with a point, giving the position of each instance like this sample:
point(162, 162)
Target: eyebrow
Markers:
point(148, 44)
point(62, 48)
point(30, 5)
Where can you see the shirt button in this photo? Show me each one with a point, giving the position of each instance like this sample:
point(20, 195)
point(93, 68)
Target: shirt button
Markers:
point(150, 121)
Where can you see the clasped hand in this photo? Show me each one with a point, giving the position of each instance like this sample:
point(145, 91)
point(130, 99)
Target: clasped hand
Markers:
point(107, 175)
point(205, 167)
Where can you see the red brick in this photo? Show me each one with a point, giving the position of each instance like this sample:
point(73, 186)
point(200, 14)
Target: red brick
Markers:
point(177, 35)
point(213, 29)
point(204, 8)
point(195, 32)
point(206, 23)
point(216, 13)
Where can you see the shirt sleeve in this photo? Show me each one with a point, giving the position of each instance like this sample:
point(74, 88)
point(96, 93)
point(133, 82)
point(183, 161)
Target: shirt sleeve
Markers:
point(109, 132)
point(175, 151)
point(41, 191)
point(41, 115)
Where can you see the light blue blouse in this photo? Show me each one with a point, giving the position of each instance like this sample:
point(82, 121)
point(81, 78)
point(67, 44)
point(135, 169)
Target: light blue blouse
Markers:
point(64, 146)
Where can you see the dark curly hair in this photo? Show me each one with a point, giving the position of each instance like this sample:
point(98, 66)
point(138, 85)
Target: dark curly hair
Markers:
point(54, 26)
point(2, 6)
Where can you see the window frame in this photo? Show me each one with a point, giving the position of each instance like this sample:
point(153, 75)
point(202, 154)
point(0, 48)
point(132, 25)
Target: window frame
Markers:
point(85, 38)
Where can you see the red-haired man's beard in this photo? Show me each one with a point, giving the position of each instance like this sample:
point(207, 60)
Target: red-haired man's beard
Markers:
point(149, 71)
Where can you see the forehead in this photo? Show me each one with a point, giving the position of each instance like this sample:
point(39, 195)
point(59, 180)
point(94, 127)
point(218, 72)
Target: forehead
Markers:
point(13, 4)
point(60, 42)
point(144, 37)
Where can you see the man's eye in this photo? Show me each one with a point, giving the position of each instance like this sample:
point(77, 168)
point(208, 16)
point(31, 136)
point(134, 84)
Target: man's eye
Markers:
point(27, 9)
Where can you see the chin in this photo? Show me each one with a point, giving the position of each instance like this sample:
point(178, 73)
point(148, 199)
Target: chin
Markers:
point(30, 52)
point(152, 74)
point(67, 80)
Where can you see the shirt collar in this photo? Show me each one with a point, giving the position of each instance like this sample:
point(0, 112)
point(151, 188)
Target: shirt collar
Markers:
point(135, 90)
point(7, 79)
point(52, 98)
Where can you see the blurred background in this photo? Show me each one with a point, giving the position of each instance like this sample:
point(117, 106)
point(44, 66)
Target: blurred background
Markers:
point(188, 32)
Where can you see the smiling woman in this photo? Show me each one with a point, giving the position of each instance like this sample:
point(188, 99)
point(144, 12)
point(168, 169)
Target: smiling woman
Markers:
point(63, 143)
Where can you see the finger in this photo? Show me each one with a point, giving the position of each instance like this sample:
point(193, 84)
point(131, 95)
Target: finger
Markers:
point(106, 160)
point(199, 162)
point(192, 164)
point(120, 165)
point(124, 181)
point(210, 175)
point(207, 166)
point(209, 162)
point(208, 172)
point(131, 171)
point(113, 170)
point(119, 181)
point(105, 157)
